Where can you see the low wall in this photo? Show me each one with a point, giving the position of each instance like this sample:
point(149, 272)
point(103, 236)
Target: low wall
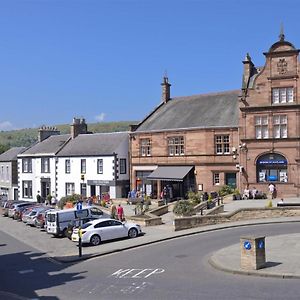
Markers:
point(238, 215)
point(216, 210)
point(161, 210)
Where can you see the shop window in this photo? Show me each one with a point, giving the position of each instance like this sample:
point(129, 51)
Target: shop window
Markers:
point(176, 145)
point(145, 147)
point(272, 167)
point(280, 126)
point(222, 144)
point(282, 95)
point(261, 127)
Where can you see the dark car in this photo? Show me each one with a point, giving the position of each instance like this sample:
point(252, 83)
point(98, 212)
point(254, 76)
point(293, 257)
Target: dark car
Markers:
point(75, 224)
point(40, 220)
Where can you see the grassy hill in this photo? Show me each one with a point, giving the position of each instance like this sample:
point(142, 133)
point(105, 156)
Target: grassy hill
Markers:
point(26, 137)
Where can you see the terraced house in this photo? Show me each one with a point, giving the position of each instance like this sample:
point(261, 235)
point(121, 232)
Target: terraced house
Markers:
point(244, 138)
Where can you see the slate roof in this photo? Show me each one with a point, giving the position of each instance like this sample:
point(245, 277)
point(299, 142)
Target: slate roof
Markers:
point(198, 111)
point(94, 144)
point(11, 154)
point(48, 146)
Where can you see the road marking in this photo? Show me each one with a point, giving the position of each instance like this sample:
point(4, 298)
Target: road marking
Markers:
point(26, 271)
point(136, 273)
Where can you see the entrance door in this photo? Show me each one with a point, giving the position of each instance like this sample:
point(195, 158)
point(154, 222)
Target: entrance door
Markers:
point(230, 179)
point(16, 196)
point(45, 189)
point(93, 190)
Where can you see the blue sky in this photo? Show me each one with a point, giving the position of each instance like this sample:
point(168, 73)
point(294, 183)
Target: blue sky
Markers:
point(104, 59)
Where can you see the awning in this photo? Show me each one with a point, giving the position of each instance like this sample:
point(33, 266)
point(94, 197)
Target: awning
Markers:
point(170, 173)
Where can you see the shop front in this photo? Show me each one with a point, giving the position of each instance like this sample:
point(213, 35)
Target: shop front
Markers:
point(271, 168)
point(178, 179)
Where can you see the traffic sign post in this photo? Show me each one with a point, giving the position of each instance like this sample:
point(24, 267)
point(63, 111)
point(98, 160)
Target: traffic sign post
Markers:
point(253, 252)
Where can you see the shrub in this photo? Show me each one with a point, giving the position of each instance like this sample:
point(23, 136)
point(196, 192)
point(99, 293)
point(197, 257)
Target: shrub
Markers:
point(226, 190)
point(195, 198)
point(73, 199)
point(183, 208)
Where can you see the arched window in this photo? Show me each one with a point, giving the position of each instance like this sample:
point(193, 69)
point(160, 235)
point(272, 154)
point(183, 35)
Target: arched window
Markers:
point(271, 167)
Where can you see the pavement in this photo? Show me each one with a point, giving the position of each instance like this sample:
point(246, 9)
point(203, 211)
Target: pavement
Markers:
point(227, 259)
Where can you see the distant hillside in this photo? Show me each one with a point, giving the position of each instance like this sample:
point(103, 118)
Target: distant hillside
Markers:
point(26, 137)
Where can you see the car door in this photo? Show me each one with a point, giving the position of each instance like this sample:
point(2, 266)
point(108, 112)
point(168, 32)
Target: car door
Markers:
point(119, 229)
point(105, 230)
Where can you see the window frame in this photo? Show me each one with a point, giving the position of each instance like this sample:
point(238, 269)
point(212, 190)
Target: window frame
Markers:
point(68, 166)
point(282, 126)
point(28, 189)
point(222, 144)
point(282, 95)
point(26, 165)
point(261, 128)
point(176, 145)
point(70, 188)
point(45, 169)
point(145, 147)
point(123, 166)
point(83, 166)
point(100, 166)
point(216, 178)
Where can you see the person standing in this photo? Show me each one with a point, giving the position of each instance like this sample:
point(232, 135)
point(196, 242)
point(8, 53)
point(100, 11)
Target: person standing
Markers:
point(113, 211)
point(38, 197)
point(120, 212)
point(272, 190)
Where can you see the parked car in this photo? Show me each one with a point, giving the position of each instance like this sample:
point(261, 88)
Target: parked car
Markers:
point(7, 205)
point(20, 209)
point(58, 220)
point(75, 224)
point(29, 217)
point(16, 206)
point(94, 232)
point(41, 220)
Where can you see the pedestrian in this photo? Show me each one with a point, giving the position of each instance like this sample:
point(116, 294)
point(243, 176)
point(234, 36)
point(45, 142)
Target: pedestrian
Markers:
point(38, 197)
point(120, 212)
point(272, 190)
point(113, 211)
point(166, 195)
point(90, 201)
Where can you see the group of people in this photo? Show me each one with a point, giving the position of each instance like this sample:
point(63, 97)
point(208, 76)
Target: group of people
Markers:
point(251, 194)
point(117, 212)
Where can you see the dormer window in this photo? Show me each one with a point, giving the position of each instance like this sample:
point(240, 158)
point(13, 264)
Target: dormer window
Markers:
point(282, 95)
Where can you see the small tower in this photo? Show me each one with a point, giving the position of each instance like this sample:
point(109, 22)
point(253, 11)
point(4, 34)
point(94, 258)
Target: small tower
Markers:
point(248, 70)
point(165, 96)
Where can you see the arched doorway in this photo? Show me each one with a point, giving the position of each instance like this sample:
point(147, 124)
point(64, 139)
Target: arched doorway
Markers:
point(271, 167)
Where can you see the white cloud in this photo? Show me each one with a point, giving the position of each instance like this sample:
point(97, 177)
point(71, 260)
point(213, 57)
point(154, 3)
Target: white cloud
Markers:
point(6, 125)
point(100, 117)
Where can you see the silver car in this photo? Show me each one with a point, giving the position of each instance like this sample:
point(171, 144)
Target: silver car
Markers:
point(32, 215)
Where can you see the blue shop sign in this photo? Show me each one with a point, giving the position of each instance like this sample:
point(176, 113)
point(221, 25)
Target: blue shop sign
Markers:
point(273, 162)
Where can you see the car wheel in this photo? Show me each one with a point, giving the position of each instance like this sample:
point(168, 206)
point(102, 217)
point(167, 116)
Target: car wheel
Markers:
point(132, 233)
point(95, 240)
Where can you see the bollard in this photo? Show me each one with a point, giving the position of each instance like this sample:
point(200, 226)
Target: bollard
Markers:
point(80, 242)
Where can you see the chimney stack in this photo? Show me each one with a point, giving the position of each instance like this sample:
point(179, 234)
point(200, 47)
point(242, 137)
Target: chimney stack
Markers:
point(165, 97)
point(78, 127)
point(248, 70)
point(46, 131)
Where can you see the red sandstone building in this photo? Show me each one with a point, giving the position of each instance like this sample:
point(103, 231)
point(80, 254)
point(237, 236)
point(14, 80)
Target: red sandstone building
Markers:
point(244, 138)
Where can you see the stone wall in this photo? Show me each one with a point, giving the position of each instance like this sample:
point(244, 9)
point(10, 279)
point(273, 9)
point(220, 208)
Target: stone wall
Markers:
point(238, 215)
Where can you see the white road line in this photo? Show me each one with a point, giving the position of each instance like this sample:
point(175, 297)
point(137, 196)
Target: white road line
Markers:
point(26, 271)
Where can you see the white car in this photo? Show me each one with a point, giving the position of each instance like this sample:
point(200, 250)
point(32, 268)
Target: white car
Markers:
point(95, 231)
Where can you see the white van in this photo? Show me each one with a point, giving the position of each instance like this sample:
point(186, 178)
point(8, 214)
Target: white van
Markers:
point(58, 220)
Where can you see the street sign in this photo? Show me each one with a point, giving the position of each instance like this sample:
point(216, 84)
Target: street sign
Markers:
point(79, 205)
point(247, 245)
point(261, 244)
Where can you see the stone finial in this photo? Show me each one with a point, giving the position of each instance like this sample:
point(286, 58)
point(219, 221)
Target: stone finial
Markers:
point(247, 57)
point(281, 34)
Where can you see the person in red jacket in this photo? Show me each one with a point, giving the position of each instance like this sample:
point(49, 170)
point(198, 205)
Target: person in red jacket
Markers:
point(120, 213)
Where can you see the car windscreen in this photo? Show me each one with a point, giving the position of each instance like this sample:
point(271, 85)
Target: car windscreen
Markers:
point(51, 217)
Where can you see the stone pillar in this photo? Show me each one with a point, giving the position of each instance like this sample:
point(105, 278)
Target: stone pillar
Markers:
point(158, 189)
point(253, 254)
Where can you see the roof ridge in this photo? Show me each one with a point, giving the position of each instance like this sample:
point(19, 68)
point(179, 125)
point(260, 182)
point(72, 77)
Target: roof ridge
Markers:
point(208, 94)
